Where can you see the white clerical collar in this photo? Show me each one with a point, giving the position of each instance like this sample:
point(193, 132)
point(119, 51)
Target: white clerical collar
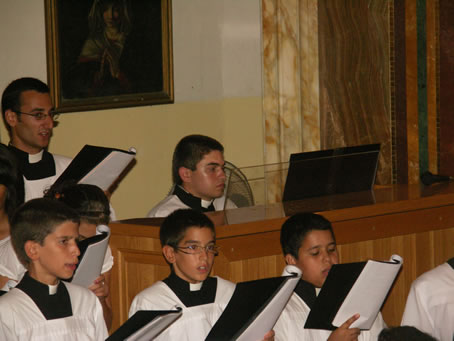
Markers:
point(53, 288)
point(34, 158)
point(195, 286)
point(205, 203)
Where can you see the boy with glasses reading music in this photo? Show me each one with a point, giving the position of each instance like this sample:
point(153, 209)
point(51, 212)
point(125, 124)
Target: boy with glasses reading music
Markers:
point(188, 243)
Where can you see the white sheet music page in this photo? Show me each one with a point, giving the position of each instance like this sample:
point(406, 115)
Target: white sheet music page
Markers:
point(90, 266)
point(108, 170)
point(368, 293)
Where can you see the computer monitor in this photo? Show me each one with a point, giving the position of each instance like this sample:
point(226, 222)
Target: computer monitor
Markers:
point(333, 171)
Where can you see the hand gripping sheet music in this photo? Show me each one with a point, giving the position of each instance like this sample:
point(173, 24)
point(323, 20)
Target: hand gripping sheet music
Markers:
point(91, 259)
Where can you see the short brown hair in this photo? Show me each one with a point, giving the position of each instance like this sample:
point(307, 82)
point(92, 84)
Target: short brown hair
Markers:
point(189, 151)
point(35, 220)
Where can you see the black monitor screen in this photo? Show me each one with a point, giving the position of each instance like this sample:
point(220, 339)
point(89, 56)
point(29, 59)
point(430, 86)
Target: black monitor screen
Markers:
point(333, 171)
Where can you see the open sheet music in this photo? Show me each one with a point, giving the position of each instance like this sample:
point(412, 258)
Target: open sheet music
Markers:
point(98, 166)
point(254, 308)
point(353, 288)
point(145, 325)
point(91, 259)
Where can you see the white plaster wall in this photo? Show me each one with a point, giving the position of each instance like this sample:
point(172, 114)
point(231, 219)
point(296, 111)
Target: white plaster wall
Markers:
point(217, 79)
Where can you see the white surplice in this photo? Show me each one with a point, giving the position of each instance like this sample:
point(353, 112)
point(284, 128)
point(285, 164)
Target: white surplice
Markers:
point(430, 303)
point(22, 320)
point(196, 321)
point(36, 188)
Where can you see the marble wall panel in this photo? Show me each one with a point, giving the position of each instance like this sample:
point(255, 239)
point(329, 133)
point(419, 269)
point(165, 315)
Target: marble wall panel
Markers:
point(399, 94)
point(310, 101)
point(354, 59)
point(281, 86)
point(411, 62)
point(432, 83)
point(369, 71)
point(446, 79)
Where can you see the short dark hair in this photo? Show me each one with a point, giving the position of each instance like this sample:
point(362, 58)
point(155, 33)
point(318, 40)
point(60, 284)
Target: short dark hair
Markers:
point(12, 179)
point(88, 200)
point(35, 220)
point(296, 228)
point(403, 333)
point(173, 228)
point(11, 98)
point(189, 151)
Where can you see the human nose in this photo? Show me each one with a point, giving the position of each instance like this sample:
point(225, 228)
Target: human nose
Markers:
point(49, 121)
point(325, 256)
point(75, 249)
point(203, 252)
point(221, 174)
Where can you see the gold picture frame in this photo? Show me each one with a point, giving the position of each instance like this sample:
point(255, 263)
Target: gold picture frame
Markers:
point(105, 54)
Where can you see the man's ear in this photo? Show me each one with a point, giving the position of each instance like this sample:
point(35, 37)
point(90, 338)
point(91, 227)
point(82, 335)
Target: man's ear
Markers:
point(32, 249)
point(11, 118)
point(289, 259)
point(169, 253)
point(185, 174)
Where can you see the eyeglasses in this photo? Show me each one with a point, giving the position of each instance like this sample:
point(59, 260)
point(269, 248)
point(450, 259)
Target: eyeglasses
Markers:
point(39, 116)
point(197, 249)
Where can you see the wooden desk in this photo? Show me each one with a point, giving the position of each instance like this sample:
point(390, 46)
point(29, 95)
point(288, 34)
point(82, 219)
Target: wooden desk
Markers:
point(416, 223)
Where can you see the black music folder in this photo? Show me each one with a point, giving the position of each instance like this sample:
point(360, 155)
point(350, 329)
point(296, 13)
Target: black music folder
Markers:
point(98, 166)
point(353, 288)
point(254, 309)
point(145, 325)
point(331, 171)
point(91, 258)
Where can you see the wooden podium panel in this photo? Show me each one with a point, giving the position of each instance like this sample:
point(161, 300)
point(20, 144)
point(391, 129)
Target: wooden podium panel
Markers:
point(415, 223)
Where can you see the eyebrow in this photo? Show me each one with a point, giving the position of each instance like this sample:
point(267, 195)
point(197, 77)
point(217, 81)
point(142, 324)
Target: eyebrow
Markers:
point(197, 242)
point(68, 237)
point(319, 246)
point(42, 109)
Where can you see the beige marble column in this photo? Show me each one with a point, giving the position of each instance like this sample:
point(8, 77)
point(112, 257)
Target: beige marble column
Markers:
point(290, 83)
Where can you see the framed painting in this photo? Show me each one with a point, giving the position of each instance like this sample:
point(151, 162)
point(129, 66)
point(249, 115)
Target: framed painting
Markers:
point(109, 53)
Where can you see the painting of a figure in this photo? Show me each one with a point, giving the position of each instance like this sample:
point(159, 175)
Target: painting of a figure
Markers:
point(111, 53)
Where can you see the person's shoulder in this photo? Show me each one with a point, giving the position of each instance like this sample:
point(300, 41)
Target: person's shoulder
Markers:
point(61, 163)
point(10, 266)
point(224, 289)
point(11, 299)
point(156, 297)
point(61, 159)
point(157, 289)
point(166, 206)
point(80, 294)
point(435, 277)
point(5, 241)
point(224, 282)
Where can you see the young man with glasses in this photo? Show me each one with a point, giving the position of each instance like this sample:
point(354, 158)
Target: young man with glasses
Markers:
point(29, 116)
point(188, 243)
